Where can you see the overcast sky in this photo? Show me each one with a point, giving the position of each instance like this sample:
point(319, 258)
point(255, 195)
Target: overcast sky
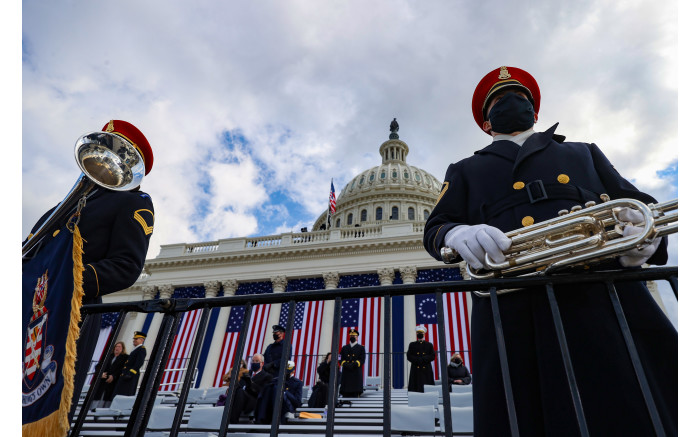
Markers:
point(252, 107)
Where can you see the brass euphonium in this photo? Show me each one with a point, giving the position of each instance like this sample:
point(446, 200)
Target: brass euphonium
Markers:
point(106, 160)
point(580, 237)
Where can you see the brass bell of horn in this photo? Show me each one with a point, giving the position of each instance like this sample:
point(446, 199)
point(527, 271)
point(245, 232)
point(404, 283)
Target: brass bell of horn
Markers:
point(105, 159)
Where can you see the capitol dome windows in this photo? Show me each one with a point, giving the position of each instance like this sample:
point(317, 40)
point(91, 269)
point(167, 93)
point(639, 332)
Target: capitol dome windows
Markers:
point(394, 174)
point(405, 174)
point(383, 175)
point(371, 177)
point(426, 214)
point(378, 214)
point(411, 213)
point(349, 219)
point(337, 223)
point(394, 213)
point(417, 177)
point(362, 180)
point(363, 215)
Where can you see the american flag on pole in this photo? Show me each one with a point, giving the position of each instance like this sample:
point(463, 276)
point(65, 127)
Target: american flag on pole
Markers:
point(331, 199)
point(457, 335)
point(365, 315)
point(182, 345)
point(256, 330)
point(307, 329)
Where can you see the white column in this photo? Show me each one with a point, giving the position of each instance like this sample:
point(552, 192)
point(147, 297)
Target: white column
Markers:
point(331, 280)
point(166, 292)
point(278, 285)
point(408, 276)
point(386, 277)
point(134, 320)
point(209, 372)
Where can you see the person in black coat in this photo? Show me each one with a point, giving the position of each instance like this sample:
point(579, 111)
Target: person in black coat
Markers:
point(273, 352)
point(525, 177)
point(319, 394)
point(116, 227)
point(291, 397)
point(457, 372)
point(108, 380)
point(352, 358)
point(129, 378)
point(420, 354)
point(251, 385)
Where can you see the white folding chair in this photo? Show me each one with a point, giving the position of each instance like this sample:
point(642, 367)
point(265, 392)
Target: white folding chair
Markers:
point(121, 406)
point(413, 419)
point(461, 399)
point(161, 418)
point(212, 395)
point(462, 419)
point(416, 399)
point(204, 419)
point(195, 395)
point(461, 388)
point(433, 388)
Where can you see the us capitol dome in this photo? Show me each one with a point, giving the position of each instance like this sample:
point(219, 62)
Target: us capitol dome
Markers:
point(393, 190)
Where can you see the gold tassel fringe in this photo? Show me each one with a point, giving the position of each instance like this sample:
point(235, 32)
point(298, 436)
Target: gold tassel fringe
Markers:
point(56, 424)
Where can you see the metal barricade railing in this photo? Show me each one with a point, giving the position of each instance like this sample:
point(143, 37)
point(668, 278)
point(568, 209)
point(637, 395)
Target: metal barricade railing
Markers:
point(173, 309)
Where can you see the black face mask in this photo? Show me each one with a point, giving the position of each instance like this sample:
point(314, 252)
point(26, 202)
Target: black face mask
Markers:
point(457, 361)
point(254, 367)
point(353, 339)
point(276, 336)
point(513, 113)
point(420, 336)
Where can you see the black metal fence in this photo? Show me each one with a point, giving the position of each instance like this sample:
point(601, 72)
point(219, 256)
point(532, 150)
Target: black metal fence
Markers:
point(173, 310)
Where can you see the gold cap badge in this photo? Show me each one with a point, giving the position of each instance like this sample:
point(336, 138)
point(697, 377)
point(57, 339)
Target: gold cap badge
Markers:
point(504, 73)
point(110, 126)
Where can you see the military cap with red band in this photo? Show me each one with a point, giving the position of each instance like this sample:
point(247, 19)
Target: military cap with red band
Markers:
point(131, 133)
point(501, 79)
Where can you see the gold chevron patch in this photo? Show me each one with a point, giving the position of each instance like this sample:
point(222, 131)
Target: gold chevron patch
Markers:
point(142, 220)
point(445, 186)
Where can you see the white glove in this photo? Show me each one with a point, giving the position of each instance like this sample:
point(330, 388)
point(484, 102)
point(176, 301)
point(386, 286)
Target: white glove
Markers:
point(635, 257)
point(474, 242)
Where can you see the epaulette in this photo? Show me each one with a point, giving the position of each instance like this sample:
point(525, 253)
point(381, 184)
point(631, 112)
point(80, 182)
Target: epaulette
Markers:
point(145, 196)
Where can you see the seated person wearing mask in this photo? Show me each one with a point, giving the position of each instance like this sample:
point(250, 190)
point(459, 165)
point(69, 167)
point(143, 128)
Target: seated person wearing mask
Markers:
point(251, 384)
point(457, 372)
point(291, 397)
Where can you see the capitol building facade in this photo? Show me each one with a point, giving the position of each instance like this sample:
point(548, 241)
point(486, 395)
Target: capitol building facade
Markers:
point(373, 238)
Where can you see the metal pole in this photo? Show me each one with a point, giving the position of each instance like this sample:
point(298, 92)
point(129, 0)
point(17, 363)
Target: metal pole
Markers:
point(673, 280)
point(191, 366)
point(281, 374)
point(387, 366)
point(568, 366)
point(442, 346)
point(332, 386)
point(237, 358)
point(161, 349)
point(505, 372)
point(636, 361)
point(102, 366)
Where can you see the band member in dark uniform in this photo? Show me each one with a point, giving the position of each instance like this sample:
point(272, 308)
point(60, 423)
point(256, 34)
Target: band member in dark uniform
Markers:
point(129, 378)
point(352, 358)
point(525, 177)
point(420, 354)
point(108, 380)
point(116, 227)
point(273, 351)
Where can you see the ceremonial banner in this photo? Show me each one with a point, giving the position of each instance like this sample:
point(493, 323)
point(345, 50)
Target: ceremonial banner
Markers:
point(52, 293)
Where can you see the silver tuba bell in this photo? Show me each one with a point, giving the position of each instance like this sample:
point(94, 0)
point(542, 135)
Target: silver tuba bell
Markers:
point(105, 159)
point(580, 237)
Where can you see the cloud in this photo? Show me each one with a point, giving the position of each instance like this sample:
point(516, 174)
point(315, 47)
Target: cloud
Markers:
point(242, 101)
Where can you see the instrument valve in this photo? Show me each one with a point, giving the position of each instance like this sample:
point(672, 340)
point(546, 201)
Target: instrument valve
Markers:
point(563, 212)
point(589, 204)
point(604, 197)
point(576, 208)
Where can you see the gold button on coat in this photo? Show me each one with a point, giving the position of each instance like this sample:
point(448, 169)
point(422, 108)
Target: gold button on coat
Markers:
point(519, 185)
point(563, 179)
point(527, 220)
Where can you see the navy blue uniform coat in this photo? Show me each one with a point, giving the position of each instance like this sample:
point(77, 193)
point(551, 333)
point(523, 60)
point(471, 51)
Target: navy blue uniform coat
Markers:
point(129, 378)
point(352, 358)
point(480, 189)
point(116, 227)
point(421, 355)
